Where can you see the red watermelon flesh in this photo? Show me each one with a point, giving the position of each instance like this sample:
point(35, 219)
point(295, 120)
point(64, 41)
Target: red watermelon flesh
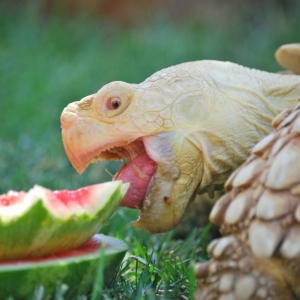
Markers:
point(68, 197)
point(11, 198)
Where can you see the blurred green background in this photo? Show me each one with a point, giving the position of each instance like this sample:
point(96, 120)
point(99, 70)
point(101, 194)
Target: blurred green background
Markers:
point(53, 52)
point(56, 52)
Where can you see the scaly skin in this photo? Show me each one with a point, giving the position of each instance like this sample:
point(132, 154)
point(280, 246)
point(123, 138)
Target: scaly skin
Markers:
point(198, 121)
point(259, 257)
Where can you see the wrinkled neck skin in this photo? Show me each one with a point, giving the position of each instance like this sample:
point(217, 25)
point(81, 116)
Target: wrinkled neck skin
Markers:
point(217, 125)
point(178, 173)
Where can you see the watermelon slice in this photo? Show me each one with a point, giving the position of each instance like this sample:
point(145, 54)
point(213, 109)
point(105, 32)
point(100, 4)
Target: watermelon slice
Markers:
point(42, 223)
point(76, 268)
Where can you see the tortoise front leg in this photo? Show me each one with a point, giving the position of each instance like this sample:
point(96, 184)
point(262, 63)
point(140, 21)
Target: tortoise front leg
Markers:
point(234, 273)
point(259, 257)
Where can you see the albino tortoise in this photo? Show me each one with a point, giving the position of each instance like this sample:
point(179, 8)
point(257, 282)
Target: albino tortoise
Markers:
point(182, 132)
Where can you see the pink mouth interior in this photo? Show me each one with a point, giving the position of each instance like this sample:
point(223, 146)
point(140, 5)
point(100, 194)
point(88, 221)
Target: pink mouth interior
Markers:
point(138, 172)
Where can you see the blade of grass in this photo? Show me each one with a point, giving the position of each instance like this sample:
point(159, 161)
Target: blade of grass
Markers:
point(99, 280)
point(139, 290)
point(61, 289)
point(192, 281)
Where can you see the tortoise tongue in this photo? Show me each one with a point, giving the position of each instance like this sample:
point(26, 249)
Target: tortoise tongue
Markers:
point(138, 172)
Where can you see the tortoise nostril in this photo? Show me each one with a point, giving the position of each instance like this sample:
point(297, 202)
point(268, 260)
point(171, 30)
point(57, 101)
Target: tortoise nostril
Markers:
point(71, 112)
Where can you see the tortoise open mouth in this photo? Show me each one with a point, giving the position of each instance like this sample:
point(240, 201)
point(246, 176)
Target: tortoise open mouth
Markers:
point(138, 169)
point(87, 141)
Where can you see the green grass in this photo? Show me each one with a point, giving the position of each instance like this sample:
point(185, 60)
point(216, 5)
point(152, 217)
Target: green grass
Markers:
point(45, 63)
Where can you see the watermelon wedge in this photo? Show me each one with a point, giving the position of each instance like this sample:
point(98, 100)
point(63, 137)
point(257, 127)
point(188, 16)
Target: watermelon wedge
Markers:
point(76, 268)
point(41, 222)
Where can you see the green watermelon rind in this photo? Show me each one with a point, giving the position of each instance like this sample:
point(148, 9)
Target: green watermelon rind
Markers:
point(20, 280)
point(40, 231)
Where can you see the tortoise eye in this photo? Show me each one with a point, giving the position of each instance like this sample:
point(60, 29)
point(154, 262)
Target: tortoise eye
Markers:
point(113, 103)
